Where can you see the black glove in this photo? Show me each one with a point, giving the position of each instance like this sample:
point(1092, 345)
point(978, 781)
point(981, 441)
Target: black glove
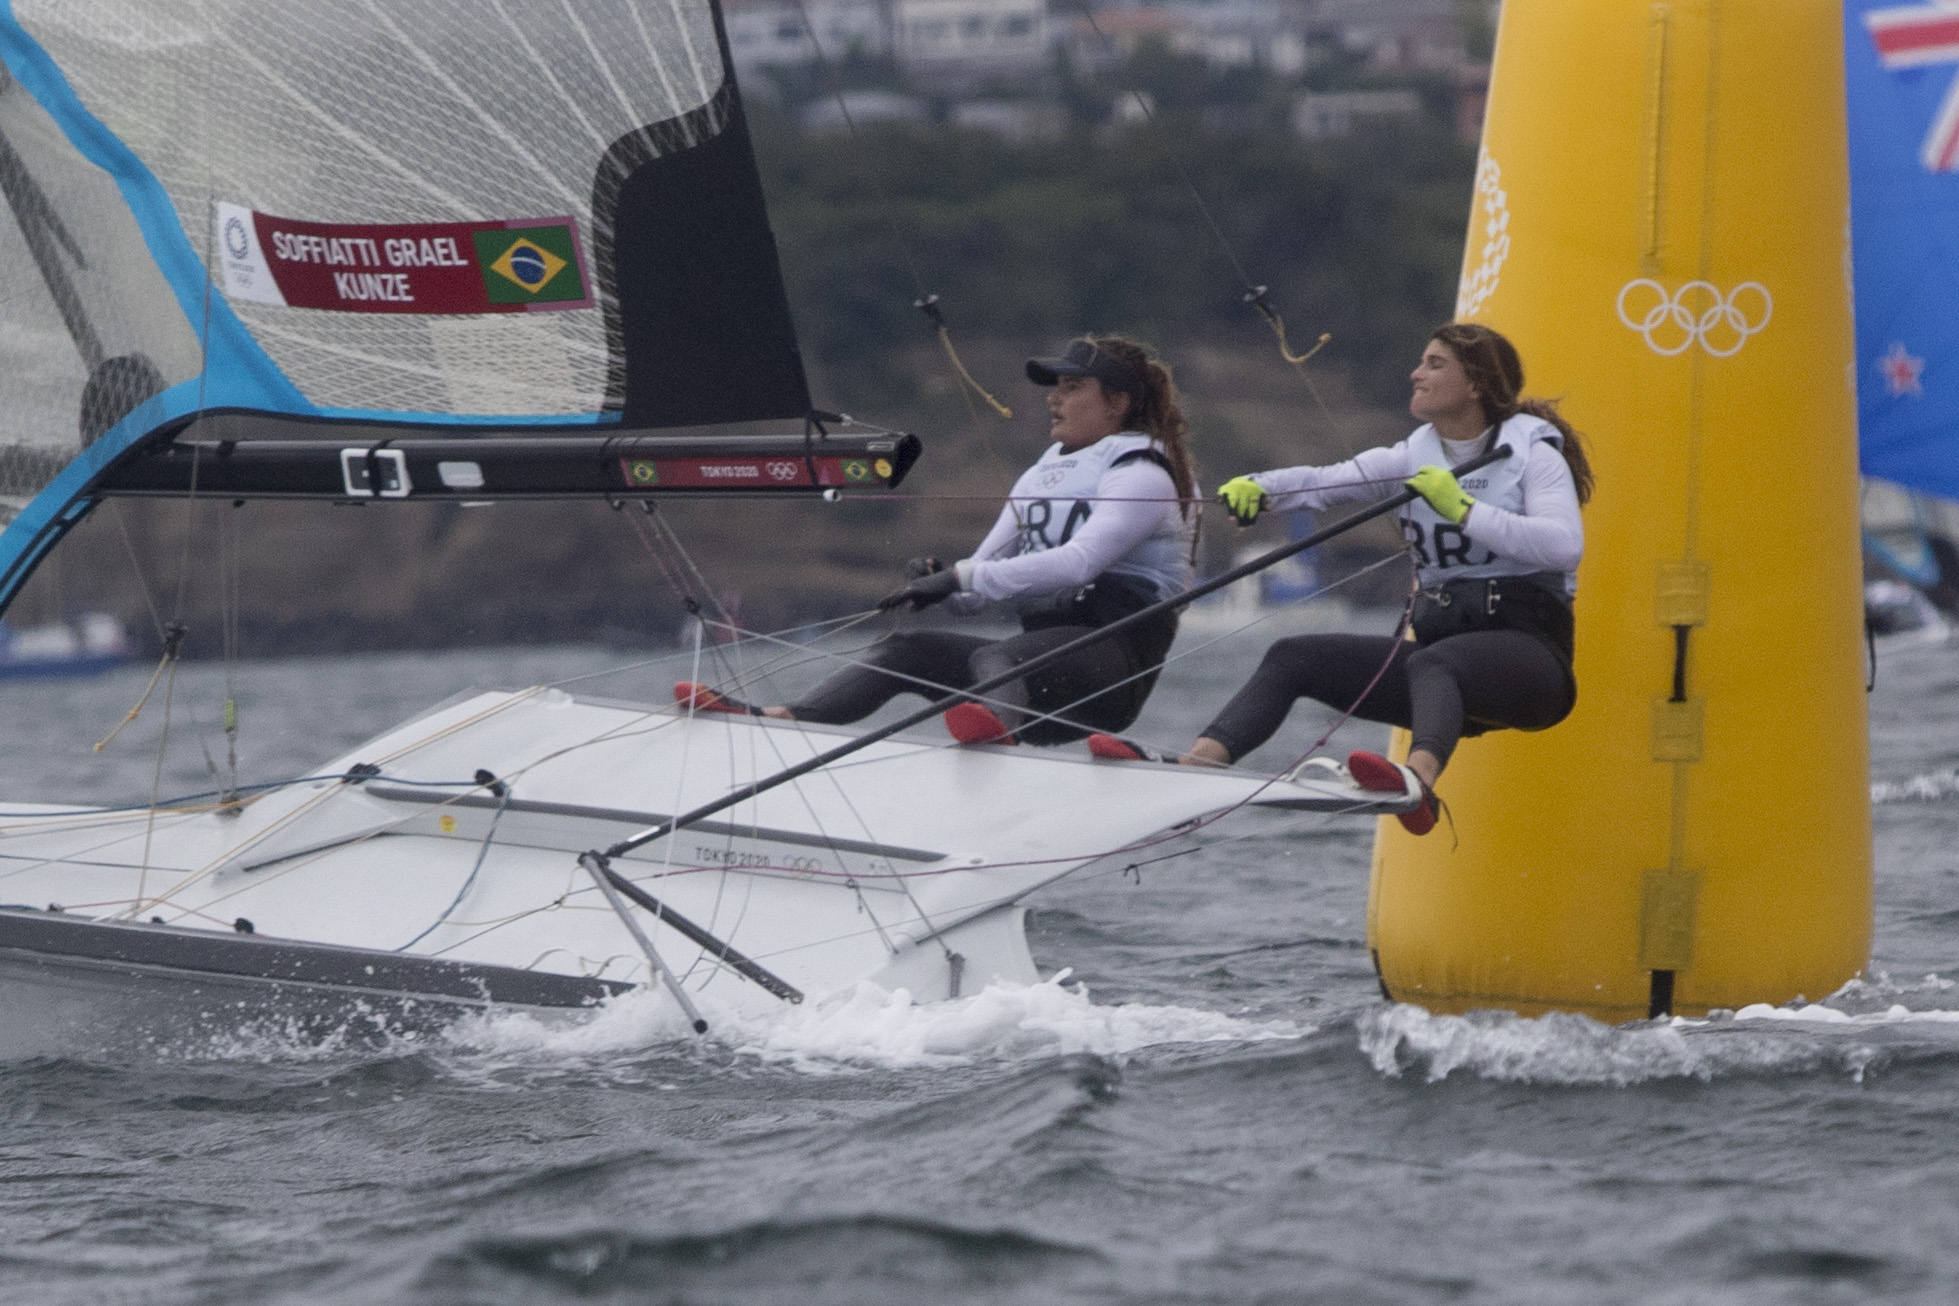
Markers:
point(923, 592)
point(918, 567)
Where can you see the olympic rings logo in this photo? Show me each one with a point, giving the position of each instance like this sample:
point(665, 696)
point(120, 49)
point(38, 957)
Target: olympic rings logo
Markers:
point(1697, 313)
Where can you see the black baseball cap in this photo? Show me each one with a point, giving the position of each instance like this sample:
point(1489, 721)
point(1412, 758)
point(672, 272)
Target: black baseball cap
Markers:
point(1086, 358)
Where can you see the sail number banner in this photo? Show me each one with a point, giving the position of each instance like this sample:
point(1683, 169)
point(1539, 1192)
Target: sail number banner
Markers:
point(523, 265)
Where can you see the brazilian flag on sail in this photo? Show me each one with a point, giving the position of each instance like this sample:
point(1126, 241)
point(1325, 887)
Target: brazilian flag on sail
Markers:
point(529, 265)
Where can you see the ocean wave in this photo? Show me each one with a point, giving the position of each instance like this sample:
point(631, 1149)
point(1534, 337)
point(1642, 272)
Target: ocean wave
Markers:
point(359, 1030)
point(823, 1258)
point(866, 1026)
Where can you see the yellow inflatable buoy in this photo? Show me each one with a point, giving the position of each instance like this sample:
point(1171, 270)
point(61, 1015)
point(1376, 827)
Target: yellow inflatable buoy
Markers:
point(1661, 224)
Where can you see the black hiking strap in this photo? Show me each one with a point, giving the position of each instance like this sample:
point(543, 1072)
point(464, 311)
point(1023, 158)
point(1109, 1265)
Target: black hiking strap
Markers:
point(1145, 456)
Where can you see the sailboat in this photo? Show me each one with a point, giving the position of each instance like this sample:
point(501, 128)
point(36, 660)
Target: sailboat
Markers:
point(1910, 536)
point(469, 252)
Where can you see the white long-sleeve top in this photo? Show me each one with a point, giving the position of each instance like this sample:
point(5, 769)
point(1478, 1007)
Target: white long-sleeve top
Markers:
point(1073, 516)
point(1541, 531)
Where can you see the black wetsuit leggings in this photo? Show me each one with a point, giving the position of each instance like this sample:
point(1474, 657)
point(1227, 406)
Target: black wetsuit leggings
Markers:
point(1460, 686)
point(936, 664)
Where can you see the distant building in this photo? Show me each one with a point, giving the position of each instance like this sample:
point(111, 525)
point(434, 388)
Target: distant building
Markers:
point(1334, 113)
point(954, 43)
point(1241, 33)
point(1224, 33)
point(946, 45)
point(1114, 34)
point(1000, 52)
point(770, 33)
point(1396, 35)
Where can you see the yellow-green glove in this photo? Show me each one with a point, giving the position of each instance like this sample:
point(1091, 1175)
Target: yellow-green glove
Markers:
point(1244, 496)
point(1438, 485)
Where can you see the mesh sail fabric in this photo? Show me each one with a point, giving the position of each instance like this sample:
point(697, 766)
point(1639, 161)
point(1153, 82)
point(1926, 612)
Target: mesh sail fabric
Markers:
point(431, 112)
point(88, 323)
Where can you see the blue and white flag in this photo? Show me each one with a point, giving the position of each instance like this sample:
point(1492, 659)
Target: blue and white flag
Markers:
point(1901, 64)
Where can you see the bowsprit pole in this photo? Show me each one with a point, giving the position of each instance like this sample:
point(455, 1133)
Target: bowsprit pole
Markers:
point(1195, 592)
point(602, 876)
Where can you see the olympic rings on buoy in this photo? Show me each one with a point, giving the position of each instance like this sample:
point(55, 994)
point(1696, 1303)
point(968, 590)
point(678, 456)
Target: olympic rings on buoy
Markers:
point(1673, 322)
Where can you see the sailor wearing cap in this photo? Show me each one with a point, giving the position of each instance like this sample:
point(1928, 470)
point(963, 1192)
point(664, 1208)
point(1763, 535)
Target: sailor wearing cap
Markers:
point(1497, 570)
point(1098, 528)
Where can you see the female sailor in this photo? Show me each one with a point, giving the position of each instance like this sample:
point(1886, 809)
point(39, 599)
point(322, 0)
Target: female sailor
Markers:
point(1099, 527)
point(1496, 558)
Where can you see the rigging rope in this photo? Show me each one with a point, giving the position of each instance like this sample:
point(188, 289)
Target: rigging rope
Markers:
point(1200, 501)
point(929, 306)
point(502, 791)
point(229, 568)
point(1058, 714)
point(173, 638)
point(136, 566)
point(925, 302)
point(742, 635)
point(684, 562)
point(1258, 297)
point(156, 779)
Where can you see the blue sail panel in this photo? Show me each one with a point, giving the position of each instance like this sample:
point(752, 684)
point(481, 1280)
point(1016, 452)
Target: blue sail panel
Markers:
point(1902, 74)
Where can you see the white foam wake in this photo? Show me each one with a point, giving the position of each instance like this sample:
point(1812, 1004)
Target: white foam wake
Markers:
point(868, 1026)
point(1928, 788)
point(1831, 1018)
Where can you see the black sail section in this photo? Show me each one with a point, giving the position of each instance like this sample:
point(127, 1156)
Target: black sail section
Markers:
point(706, 324)
point(697, 316)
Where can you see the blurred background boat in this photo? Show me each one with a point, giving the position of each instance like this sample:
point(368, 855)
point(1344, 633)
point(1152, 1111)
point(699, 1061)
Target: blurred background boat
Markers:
point(1911, 585)
point(86, 645)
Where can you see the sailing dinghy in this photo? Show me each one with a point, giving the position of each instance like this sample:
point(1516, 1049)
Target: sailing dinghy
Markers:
point(465, 250)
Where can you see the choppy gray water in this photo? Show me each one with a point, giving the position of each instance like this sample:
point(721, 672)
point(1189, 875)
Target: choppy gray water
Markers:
point(1215, 1106)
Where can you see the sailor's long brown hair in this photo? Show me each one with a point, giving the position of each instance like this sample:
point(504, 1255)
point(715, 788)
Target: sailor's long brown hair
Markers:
point(1493, 366)
point(1155, 412)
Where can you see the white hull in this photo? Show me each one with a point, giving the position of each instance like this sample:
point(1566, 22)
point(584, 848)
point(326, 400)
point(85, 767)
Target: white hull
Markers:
point(904, 864)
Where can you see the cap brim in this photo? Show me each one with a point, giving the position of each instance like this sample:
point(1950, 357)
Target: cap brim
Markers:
point(1048, 371)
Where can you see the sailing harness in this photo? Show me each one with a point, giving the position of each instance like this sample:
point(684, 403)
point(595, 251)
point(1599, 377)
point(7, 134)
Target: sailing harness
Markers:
point(1110, 598)
point(1534, 604)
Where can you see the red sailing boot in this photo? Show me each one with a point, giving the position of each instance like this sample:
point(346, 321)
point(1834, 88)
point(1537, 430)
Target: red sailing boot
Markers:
point(1377, 774)
point(689, 693)
point(975, 723)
